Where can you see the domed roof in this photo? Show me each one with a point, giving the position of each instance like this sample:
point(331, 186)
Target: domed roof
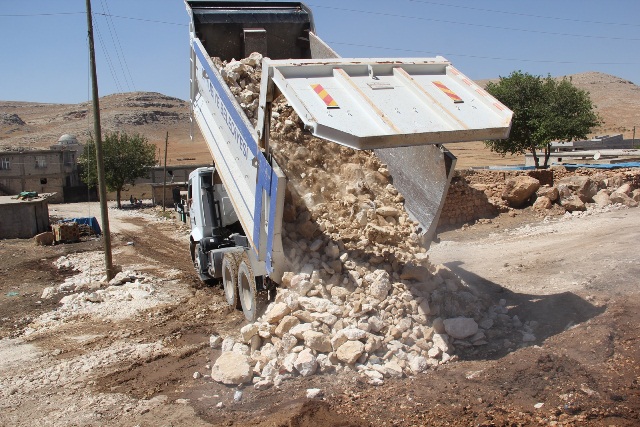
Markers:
point(67, 139)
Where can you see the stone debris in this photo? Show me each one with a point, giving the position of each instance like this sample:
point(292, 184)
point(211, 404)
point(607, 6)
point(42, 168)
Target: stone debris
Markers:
point(359, 292)
point(314, 393)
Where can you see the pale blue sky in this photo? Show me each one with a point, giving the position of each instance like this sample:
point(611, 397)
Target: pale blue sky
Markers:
point(45, 55)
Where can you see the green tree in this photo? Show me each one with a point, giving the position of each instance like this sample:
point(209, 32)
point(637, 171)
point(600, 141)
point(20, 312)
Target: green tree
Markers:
point(544, 110)
point(126, 158)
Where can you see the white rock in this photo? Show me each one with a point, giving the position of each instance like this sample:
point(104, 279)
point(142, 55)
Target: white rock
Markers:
point(227, 344)
point(350, 351)
point(326, 318)
point(248, 331)
point(48, 292)
point(299, 330)
point(306, 363)
point(286, 324)
point(313, 393)
point(393, 369)
point(277, 312)
point(440, 341)
point(380, 286)
point(353, 334)
point(317, 341)
point(418, 364)
point(289, 361)
point(375, 324)
point(232, 369)
point(460, 327)
point(263, 385)
point(215, 341)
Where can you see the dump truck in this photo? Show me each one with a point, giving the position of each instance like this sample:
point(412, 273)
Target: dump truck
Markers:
point(403, 109)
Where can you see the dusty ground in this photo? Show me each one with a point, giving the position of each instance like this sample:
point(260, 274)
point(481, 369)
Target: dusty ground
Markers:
point(126, 364)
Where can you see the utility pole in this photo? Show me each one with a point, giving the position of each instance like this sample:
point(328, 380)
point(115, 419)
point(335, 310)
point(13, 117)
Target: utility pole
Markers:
point(633, 144)
point(164, 182)
point(102, 189)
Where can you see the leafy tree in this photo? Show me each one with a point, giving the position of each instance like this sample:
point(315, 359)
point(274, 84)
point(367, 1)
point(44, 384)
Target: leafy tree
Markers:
point(544, 110)
point(126, 158)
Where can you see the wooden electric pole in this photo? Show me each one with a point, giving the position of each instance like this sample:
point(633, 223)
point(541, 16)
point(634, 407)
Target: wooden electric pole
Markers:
point(102, 189)
point(164, 182)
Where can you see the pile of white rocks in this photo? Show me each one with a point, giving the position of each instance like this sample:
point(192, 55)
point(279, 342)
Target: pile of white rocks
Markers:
point(359, 292)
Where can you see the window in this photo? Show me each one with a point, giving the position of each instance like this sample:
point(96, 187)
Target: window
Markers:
point(68, 158)
point(41, 162)
point(5, 163)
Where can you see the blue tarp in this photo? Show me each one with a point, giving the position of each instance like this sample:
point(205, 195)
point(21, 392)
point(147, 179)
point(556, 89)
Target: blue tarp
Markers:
point(91, 222)
point(603, 165)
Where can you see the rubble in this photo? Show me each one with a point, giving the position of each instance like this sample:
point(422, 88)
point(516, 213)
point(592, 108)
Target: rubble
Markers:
point(359, 292)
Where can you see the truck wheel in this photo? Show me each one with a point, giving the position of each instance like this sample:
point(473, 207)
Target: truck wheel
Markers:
point(247, 289)
point(229, 279)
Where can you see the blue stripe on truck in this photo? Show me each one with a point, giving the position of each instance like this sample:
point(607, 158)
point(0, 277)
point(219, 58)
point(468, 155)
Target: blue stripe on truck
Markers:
point(236, 124)
point(266, 181)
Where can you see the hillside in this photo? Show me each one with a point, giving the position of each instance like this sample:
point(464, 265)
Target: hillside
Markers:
point(33, 125)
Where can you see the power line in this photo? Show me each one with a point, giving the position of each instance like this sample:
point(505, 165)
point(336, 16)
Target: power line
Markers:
point(524, 14)
point(118, 48)
point(108, 58)
point(544, 61)
point(144, 20)
point(444, 21)
point(22, 15)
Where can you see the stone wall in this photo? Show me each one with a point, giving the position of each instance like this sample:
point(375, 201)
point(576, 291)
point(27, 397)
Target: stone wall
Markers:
point(476, 194)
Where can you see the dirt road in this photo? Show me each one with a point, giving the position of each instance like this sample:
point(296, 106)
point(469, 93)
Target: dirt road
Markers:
point(128, 354)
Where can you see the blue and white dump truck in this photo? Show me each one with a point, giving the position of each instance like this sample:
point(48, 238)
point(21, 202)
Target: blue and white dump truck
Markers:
point(403, 109)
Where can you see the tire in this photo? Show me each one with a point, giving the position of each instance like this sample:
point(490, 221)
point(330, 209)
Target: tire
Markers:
point(230, 279)
point(247, 291)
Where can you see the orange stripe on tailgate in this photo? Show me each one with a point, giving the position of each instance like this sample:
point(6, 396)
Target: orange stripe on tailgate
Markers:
point(324, 95)
point(451, 94)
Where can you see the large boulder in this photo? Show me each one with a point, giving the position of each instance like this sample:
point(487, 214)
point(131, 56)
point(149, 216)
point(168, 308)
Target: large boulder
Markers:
point(350, 351)
point(622, 198)
point(306, 363)
point(232, 368)
point(581, 186)
point(549, 192)
point(542, 203)
point(519, 189)
point(602, 198)
point(460, 327)
point(573, 203)
point(44, 239)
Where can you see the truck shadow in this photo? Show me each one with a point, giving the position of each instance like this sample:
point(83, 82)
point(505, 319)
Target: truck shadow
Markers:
point(548, 315)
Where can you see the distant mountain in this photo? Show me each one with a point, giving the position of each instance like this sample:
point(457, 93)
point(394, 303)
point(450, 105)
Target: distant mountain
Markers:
point(33, 125)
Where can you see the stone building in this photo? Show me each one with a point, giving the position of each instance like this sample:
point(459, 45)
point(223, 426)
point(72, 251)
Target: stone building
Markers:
point(45, 171)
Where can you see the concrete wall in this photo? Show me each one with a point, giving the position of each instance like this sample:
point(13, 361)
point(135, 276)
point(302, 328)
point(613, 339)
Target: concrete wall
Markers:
point(23, 219)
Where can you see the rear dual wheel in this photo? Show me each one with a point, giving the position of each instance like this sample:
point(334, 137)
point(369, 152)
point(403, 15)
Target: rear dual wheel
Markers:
point(229, 278)
point(247, 289)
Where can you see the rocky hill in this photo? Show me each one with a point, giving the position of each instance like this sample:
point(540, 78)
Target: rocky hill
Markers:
point(32, 125)
point(29, 125)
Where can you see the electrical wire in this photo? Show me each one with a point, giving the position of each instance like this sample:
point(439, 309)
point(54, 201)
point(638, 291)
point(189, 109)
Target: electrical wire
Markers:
point(107, 57)
point(444, 21)
point(544, 61)
point(526, 15)
point(118, 48)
